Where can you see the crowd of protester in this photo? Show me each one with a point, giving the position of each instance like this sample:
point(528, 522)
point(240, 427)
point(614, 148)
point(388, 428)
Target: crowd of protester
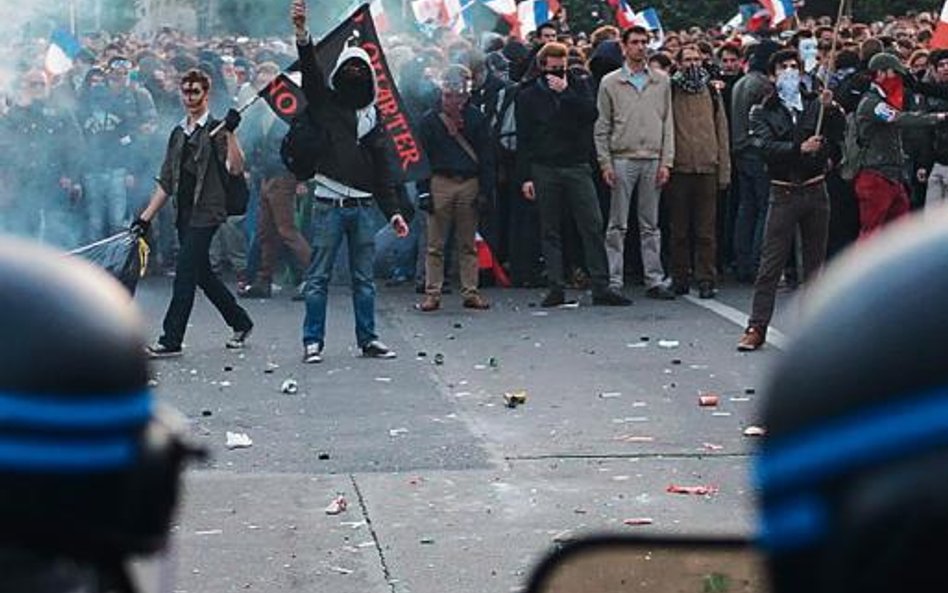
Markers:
point(81, 151)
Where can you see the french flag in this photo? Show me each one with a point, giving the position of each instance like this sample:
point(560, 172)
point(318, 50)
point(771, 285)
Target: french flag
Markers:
point(533, 13)
point(940, 40)
point(780, 10)
point(625, 15)
point(62, 51)
point(648, 18)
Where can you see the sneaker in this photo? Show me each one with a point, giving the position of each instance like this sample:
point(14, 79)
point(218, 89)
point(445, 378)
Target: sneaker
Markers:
point(376, 349)
point(257, 290)
point(476, 302)
point(753, 338)
point(706, 290)
point(298, 294)
point(159, 350)
point(554, 298)
point(611, 298)
point(313, 353)
point(430, 303)
point(239, 339)
point(660, 293)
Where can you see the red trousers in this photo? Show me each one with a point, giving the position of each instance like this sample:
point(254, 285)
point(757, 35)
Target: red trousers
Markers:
point(880, 199)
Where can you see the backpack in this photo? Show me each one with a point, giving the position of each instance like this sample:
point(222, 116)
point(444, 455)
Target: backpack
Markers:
point(853, 150)
point(235, 186)
point(304, 146)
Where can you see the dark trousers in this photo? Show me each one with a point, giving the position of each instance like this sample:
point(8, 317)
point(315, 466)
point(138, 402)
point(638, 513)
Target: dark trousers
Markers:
point(692, 206)
point(569, 191)
point(524, 241)
point(753, 188)
point(193, 270)
point(807, 207)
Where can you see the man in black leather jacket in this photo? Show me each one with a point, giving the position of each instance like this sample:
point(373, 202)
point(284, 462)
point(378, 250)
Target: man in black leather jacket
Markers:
point(784, 129)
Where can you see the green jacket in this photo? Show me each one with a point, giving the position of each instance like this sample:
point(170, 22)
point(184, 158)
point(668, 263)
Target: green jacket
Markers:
point(880, 133)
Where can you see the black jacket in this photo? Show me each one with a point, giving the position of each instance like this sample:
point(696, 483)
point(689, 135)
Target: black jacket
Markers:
point(555, 129)
point(777, 138)
point(363, 163)
point(446, 155)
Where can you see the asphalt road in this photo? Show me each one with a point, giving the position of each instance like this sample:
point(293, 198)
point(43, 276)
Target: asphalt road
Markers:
point(447, 488)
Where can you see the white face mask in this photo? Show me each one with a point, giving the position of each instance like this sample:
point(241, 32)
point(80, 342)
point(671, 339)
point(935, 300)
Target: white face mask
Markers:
point(788, 89)
point(809, 51)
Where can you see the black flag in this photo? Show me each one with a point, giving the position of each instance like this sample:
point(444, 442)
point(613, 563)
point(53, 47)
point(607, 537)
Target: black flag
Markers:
point(284, 97)
point(404, 146)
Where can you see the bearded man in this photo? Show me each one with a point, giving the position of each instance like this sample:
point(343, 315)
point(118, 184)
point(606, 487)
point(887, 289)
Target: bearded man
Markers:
point(702, 167)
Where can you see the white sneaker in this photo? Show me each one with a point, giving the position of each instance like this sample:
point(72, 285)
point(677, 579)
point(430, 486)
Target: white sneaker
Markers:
point(313, 353)
point(376, 349)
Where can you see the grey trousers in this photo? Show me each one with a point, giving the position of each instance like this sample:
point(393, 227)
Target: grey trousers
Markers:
point(807, 207)
point(632, 174)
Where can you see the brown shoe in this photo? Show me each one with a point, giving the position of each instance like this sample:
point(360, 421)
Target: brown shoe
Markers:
point(476, 302)
point(753, 338)
point(430, 303)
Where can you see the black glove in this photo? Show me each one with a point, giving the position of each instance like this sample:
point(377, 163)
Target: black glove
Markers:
point(232, 120)
point(139, 227)
point(425, 204)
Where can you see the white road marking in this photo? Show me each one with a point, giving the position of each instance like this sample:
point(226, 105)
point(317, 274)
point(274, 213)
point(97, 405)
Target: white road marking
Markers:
point(775, 337)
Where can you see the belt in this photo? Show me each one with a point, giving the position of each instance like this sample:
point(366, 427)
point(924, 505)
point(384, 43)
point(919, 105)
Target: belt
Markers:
point(347, 202)
point(455, 176)
point(807, 183)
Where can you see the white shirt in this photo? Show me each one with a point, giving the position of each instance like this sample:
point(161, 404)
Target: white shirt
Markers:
point(200, 123)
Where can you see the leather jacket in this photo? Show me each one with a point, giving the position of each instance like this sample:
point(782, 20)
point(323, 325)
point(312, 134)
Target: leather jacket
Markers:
point(776, 135)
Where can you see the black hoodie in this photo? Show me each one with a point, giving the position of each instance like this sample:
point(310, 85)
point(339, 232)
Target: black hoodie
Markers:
point(359, 156)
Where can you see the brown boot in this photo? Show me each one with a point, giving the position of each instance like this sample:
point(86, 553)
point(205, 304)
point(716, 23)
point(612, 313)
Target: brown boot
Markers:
point(476, 301)
point(753, 338)
point(429, 303)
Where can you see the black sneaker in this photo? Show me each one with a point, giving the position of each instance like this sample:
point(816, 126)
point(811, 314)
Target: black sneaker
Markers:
point(313, 353)
point(239, 339)
point(376, 349)
point(611, 298)
point(706, 290)
point(660, 293)
point(159, 350)
point(256, 291)
point(554, 298)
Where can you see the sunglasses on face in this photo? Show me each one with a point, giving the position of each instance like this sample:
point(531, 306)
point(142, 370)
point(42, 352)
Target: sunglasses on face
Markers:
point(192, 92)
point(120, 64)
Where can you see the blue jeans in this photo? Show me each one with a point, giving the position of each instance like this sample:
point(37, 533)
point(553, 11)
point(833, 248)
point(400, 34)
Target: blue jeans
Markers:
point(330, 225)
point(753, 189)
point(107, 200)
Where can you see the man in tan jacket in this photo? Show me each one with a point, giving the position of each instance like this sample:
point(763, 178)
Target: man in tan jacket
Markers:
point(635, 144)
point(702, 167)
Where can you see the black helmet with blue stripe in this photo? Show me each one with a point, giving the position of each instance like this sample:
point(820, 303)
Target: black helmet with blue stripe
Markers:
point(89, 465)
point(853, 472)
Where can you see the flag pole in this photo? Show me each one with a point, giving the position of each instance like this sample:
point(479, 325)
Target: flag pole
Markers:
point(241, 109)
point(831, 67)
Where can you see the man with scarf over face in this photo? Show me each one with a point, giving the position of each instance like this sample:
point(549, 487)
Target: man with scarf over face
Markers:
point(461, 180)
point(798, 156)
point(702, 167)
point(352, 178)
point(879, 185)
point(555, 117)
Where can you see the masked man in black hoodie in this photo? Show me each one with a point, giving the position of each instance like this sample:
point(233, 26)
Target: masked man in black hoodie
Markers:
point(351, 178)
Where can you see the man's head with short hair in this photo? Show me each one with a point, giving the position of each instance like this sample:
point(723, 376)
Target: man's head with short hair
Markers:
point(635, 44)
point(785, 59)
point(546, 33)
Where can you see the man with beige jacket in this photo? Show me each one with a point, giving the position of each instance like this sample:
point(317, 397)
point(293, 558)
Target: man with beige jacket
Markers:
point(635, 144)
point(702, 167)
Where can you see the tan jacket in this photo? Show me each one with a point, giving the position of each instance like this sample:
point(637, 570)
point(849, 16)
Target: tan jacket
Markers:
point(634, 124)
point(701, 135)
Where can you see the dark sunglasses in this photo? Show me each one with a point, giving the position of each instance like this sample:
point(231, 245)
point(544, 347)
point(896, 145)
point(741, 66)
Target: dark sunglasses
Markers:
point(192, 92)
